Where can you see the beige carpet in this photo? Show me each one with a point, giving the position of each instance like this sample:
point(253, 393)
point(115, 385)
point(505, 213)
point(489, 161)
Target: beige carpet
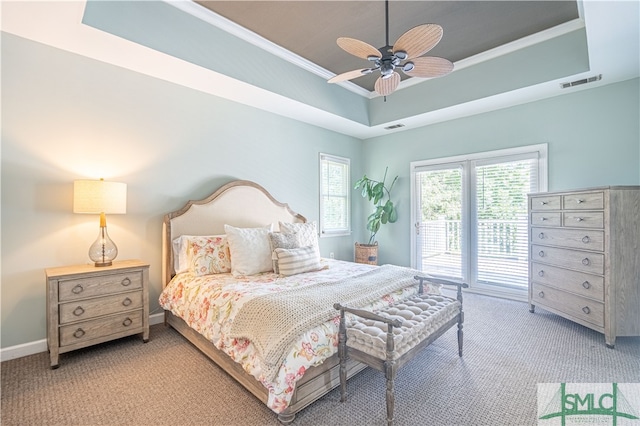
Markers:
point(169, 382)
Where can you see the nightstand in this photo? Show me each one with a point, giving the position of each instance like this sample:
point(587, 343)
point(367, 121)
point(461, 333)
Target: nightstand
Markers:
point(87, 305)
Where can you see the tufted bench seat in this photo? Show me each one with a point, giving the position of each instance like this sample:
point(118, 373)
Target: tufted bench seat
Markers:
point(389, 338)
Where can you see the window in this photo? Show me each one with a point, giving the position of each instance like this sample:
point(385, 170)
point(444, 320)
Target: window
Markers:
point(335, 219)
point(470, 216)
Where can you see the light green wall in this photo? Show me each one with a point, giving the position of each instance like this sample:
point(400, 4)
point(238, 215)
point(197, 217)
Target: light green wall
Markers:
point(65, 117)
point(593, 139)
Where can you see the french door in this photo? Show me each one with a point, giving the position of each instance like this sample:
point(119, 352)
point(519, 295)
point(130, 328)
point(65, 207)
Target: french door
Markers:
point(470, 216)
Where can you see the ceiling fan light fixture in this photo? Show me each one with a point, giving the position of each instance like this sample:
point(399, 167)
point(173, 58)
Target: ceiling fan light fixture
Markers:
point(408, 66)
point(401, 54)
point(372, 58)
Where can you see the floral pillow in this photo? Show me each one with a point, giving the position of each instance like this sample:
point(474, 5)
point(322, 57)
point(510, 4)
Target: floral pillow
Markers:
point(203, 255)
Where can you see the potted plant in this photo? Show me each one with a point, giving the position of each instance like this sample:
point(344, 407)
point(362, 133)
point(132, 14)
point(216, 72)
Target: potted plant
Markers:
point(385, 212)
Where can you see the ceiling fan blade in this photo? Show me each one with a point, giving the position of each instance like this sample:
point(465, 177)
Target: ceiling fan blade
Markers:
point(349, 75)
point(386, 86)
point(428, 67)
point(358, 48)
point(418, 40)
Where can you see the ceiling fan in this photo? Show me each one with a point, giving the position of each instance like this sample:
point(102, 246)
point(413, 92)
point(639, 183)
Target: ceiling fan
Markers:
point(409, 47)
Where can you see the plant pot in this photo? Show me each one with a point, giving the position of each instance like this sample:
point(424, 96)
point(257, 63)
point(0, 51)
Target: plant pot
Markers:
point(367, 253)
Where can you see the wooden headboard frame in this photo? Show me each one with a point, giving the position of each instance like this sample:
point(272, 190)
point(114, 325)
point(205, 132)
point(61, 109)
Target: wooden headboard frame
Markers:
point(240, 203)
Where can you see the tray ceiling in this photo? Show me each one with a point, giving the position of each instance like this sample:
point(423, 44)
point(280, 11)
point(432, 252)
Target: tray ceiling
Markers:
point(310, 28)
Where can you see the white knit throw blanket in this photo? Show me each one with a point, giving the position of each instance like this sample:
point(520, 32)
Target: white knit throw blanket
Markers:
point(272, 322)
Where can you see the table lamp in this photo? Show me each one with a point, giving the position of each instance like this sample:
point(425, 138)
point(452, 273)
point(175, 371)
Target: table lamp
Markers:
point(100, 197)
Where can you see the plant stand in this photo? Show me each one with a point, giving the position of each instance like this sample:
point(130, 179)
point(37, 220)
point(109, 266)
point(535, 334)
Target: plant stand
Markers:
point(367, 253)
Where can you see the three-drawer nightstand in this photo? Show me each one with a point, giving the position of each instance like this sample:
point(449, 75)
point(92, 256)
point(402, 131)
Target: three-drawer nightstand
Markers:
point(87, 305)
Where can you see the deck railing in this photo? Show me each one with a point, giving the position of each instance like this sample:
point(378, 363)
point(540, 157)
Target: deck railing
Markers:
point(502, 249)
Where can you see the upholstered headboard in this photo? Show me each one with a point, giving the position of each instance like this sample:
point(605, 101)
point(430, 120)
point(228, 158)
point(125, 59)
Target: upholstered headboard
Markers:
point(240, 203)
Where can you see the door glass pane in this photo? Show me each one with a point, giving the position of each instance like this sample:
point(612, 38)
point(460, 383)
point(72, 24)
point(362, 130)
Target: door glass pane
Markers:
point(440, 228)
point(501, 213)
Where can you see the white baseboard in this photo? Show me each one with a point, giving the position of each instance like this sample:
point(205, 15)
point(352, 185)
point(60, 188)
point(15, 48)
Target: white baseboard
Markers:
point(31, 348)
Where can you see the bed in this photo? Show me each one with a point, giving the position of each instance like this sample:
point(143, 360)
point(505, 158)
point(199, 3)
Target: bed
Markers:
point(218, 292)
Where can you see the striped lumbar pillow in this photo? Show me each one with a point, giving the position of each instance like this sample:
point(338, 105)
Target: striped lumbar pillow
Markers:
point(297, 260)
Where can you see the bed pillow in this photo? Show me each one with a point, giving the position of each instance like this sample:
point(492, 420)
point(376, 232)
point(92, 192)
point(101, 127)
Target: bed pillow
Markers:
point(281, 240)
point(202, 255)
point(307, 233)
point(250, 250)
point(297, 260)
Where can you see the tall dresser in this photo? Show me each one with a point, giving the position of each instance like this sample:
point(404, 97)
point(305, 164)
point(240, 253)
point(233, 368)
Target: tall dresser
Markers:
point(584, 261)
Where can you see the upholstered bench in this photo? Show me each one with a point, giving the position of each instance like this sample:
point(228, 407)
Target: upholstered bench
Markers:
point(390, 337)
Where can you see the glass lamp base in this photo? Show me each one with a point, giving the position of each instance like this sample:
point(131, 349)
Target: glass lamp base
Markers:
point(103, 251)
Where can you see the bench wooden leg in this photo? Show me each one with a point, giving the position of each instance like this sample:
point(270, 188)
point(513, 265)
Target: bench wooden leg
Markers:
point(342, 354)
point(390, 373)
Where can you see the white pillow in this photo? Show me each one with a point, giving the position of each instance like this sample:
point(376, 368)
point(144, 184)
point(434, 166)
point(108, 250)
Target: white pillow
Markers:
point(297, 260)
point(307, 233)
point(250, 250)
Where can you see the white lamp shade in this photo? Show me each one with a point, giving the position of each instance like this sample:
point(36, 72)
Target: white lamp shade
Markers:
point(98, 196)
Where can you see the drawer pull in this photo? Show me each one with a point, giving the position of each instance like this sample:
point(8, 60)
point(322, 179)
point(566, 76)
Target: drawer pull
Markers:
point(586, 261)
point(586, 239)
point(127, 322)
point(78, 333)
point(586, 310)
point(579, 219)
point(543, 219)
point(541, 294)
point(543, 203)
point(77, 289)
point(78, 311)
point(541, 253)
point(541, 274)
point(127, 302)
point(586, 285)
point(126, 282)
point(579, 201)
point(541, 235)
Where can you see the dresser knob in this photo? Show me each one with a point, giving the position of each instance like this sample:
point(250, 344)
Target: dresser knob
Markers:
point(127, 301)
point(586, 239)
point(127, 322)
point(126, 281)
point(541, 273)
point(544, 203)
point(586, 261)
point(579, 201)
point(543, 219)
point(77, 289)
point(541, 294)
point(579, 219)
point(586, 285)
point(78, 333)
point(541, 253)
point(78, 311)
point(541, 235)
point(586, 310)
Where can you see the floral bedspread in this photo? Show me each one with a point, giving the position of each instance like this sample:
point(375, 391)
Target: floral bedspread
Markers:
point(209, 303)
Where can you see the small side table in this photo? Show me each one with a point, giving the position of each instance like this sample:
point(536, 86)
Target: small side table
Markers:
point(87, 305)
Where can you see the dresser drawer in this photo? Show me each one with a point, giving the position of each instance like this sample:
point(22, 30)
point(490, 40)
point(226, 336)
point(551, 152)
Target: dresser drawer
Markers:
point(579, 260)
point(591, 286)
point(583, 219)
point(571, 304)
point(97, 285)
point(101, 327)
point(546, 218)
point(571, 238)
point(91, 308)
point(545, 202)
point(583, 201)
